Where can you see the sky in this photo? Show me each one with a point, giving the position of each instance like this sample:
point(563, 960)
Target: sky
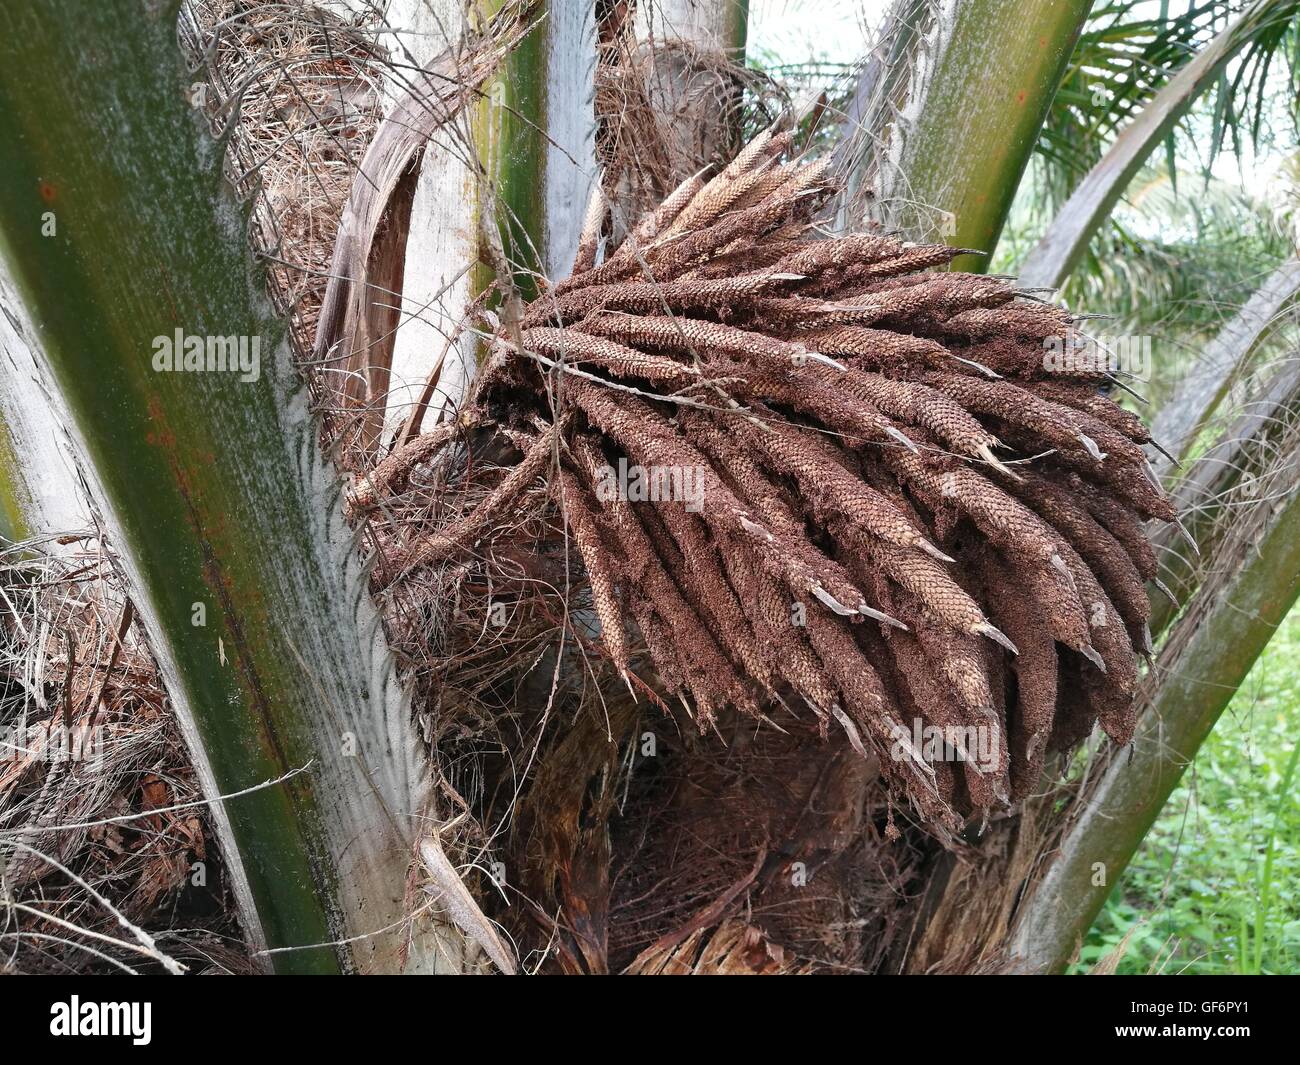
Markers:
point(800, 30)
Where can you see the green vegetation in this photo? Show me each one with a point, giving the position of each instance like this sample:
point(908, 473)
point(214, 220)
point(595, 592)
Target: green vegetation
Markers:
point(1215, 887)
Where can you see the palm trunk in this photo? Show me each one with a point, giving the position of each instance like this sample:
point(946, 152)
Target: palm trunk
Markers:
point(944, 152)
point(535, 134)
point(40, 494)
point(440, 242)
point(523, 155)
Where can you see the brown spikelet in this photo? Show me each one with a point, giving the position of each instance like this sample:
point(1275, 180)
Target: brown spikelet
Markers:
point(704, 577)
point(1033, 711)
point(876, 349)
point(738, 179)
point(839, 253)
point(927, 580)
point(581, 519)
point(1009, 356)
point(1010, 525)
point(1104, 554)
point(914, 404)
point(1118, 520)
point(979, 322)
point(797, 664)
point(704, 338)
point(1060, 426)
point(674, 253)
point(832, 490)
point(644, 297)
point(1093, 402)
point(625, 260)
point(580, 348)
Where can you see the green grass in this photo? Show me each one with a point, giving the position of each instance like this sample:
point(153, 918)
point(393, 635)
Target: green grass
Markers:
point(1214, 888)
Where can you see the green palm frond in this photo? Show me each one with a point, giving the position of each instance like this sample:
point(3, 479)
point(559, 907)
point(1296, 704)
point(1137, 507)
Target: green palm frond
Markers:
point(1173, 258)
point(1125, 55)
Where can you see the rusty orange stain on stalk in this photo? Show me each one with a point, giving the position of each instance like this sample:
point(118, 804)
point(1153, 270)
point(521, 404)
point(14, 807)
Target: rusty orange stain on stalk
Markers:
point(162, 435)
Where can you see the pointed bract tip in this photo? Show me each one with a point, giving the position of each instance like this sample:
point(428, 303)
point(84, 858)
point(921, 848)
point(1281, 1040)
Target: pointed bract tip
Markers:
point(902, 438)
point(825, 360)
point(1165, 590)
point(1167, 454)
point(1090, 653)
point(830, 601)
point(881, 616)
point(986, 453)
point(1135, 394)
point(996, 635)
point(988, 372)
point(933, 551)
point(850, 729)
point(1090, 445)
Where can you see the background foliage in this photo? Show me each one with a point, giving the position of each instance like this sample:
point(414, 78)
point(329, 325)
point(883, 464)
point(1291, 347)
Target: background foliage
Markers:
point(1214, 888)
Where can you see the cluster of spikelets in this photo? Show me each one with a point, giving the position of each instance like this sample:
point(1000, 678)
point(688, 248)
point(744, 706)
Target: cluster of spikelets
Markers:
point(907, 523)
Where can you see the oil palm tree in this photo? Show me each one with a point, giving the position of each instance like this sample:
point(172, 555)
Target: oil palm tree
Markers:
point(231, 526)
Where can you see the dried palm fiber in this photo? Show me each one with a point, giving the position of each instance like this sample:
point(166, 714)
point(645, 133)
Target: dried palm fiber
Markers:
point(732, 949)
point(665, 106)
point(866, 481)
point(296, 94)
point(100, 809)
point(295, 91)
point(801, 856)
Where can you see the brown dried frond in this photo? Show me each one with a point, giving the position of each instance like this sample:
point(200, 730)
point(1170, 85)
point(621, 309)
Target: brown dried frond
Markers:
point(95, 781)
